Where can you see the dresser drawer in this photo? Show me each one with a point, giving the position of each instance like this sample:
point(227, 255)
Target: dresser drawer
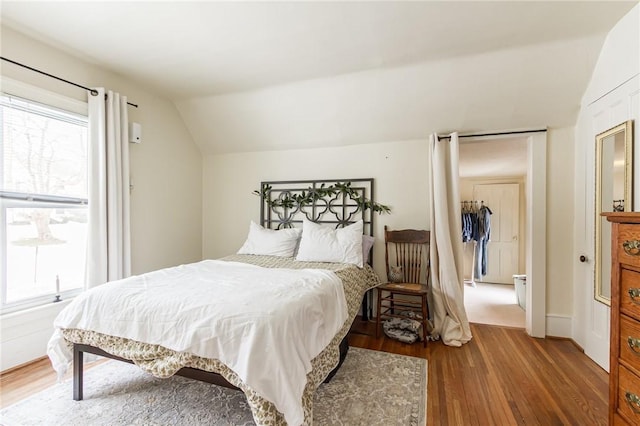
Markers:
point(630, 341)
point(630, 292)
point(629, 244)
point(629, 395)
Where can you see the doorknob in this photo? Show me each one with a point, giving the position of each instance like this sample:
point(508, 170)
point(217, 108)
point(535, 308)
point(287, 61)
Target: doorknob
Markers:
point(583, 258)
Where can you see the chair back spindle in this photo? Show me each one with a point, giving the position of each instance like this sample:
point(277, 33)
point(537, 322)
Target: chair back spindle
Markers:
point(409, 249)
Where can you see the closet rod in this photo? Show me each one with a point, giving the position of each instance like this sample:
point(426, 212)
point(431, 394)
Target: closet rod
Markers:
point(88, 89)
point(478, 135)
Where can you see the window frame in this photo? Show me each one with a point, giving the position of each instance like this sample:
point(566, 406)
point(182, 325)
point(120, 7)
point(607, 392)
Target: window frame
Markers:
point(11, 199)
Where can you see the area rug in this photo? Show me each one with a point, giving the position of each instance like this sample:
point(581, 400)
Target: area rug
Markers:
point(371, 388)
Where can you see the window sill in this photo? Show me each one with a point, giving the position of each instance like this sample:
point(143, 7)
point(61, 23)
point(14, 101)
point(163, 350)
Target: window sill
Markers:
point(35, 311)
point(41, 302)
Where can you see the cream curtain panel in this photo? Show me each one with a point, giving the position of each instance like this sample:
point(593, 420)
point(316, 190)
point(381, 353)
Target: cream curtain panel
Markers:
point(447, 285)
point(108, 254)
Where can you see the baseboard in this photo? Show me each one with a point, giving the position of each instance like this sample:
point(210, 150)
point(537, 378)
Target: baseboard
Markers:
point(23, 365)
point(559, 326)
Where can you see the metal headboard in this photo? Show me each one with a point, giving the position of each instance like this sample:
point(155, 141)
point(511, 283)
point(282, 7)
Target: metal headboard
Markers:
point(339, 209)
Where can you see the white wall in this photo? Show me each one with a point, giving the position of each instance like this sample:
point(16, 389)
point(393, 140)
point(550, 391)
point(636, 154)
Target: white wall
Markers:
point(166, 171)
point(560, 193)
point(612, 96)
point(399, 170)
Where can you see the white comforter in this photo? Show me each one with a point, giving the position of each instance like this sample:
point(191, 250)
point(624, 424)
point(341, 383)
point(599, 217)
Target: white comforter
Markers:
point(265, 324)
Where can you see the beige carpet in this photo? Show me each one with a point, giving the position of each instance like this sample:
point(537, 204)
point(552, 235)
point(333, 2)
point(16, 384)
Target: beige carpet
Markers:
point(493, 304)
point(371, 388)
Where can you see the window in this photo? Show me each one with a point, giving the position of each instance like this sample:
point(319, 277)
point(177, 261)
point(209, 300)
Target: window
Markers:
point(43, 202)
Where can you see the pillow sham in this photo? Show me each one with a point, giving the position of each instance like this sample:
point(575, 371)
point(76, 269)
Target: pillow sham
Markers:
point(326, 244)
point(367, 245)
point(269, 242)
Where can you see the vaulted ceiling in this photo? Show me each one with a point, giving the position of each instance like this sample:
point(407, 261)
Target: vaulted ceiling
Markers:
point(249, 76)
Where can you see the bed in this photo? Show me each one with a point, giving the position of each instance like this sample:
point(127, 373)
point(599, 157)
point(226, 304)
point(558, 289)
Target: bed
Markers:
point(287, 341)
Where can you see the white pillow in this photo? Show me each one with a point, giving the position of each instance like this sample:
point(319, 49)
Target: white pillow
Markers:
point(367, 245)
point(270, 242)
point(326, 244)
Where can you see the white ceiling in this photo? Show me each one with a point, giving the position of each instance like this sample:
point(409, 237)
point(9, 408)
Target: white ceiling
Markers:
point(249, 76)
point(505, 157)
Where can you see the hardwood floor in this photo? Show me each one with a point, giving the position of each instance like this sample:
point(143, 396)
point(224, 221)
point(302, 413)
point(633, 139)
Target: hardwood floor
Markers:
point(19, 383)
point(501, 377)
point(504, 377)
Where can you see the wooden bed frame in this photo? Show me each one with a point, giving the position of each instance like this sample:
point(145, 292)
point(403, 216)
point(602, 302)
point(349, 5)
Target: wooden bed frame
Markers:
point(339, 208)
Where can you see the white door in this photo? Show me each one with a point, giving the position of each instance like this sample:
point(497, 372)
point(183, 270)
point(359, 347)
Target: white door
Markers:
point(503, 248)
point(592, 318)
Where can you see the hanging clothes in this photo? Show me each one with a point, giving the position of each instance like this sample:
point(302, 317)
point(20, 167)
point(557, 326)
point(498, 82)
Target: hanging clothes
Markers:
point(469, 222)
point(467, 227)
point(476, 227)
point(483, 236)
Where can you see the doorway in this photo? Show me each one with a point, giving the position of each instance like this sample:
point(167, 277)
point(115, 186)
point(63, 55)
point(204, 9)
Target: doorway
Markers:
point(493, 174)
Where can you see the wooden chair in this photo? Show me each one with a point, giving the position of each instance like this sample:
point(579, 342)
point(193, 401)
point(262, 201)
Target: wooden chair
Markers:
point(408, 248)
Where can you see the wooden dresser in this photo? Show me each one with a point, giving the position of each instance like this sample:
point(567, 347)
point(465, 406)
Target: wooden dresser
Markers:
point(624, 370)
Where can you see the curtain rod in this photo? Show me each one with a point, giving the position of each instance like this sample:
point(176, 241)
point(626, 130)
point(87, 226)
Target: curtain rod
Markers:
point(88, 89)
point(478, 135)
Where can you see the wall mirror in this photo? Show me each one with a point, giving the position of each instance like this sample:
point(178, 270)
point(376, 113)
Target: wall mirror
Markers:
point(613, 194)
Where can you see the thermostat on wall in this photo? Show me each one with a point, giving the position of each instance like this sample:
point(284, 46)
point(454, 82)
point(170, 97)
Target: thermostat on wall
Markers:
point(135, 132)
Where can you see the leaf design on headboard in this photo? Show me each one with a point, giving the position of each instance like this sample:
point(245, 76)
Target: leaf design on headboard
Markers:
point(285, 208)
point(336, 202)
